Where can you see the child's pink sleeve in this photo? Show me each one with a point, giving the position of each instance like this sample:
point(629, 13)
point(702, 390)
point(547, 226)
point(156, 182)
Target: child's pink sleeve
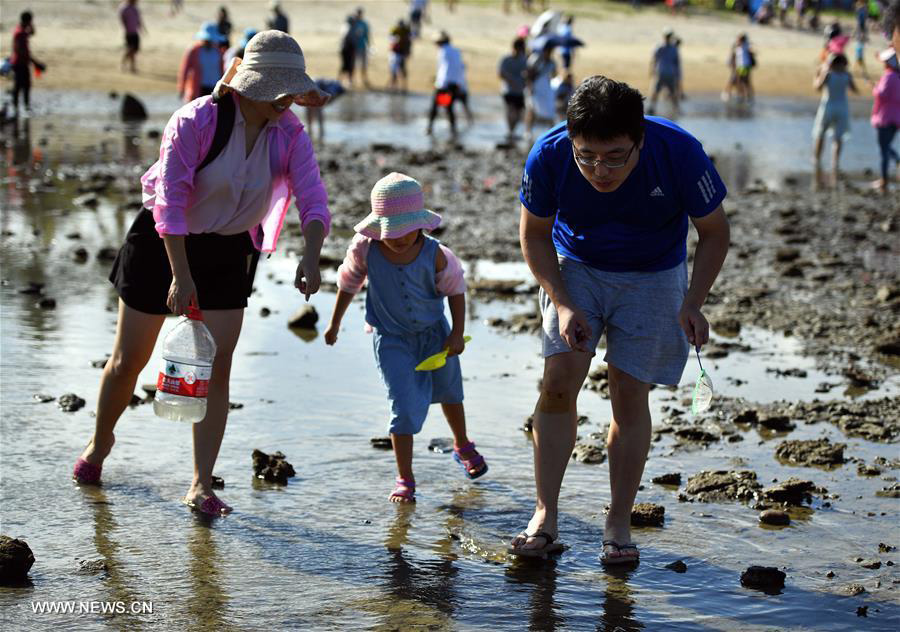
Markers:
point(352, 273)
point(450, 281)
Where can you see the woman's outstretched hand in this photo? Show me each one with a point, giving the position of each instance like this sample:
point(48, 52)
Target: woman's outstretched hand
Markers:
point(308, 278)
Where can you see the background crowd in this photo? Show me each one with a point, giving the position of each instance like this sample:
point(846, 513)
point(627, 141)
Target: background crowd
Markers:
point(536, 77)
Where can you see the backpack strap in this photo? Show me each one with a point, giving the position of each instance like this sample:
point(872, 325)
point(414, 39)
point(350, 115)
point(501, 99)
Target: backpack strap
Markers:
point(224, 125)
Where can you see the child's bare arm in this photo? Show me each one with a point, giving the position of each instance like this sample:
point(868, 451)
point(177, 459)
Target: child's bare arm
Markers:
point(350, 278)
point(341, 303)
point(457, 301)
point(455, 342)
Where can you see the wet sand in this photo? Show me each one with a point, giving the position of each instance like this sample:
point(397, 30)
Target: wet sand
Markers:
point(82, 43)
point(804, 316)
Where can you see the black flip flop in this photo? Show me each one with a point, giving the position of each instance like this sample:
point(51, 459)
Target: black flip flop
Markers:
point(620, 559)
point(550, 546)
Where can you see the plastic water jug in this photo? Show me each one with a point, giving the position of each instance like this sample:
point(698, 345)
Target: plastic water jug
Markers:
point(183, 384)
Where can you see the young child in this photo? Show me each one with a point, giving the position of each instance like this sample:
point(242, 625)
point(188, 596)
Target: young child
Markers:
point(409, 275)
point(834, 80)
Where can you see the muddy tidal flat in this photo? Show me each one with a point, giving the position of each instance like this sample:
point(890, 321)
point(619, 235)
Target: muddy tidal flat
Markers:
point(795, 466)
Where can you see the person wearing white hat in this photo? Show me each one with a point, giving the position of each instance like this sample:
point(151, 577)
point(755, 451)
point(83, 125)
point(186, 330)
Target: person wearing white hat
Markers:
point(229, 166)
point(449, 82)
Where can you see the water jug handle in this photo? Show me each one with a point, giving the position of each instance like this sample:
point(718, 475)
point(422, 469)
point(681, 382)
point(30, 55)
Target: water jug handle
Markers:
point(194, 313)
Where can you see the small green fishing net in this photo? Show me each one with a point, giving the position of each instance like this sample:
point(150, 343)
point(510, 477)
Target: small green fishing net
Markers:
point(703, 389)
point(703, 393)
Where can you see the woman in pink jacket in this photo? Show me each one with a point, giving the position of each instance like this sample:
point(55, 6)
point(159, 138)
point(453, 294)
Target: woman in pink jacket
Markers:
point(886, 113)
point(206, 217)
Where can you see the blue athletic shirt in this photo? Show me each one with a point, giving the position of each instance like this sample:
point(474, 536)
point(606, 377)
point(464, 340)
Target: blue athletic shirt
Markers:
point(641, 226)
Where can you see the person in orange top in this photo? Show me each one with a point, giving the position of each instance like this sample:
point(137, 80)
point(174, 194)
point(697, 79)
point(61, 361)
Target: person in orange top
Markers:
point(202, 65)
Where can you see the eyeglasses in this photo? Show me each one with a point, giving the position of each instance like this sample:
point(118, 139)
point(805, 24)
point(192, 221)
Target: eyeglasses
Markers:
point(593, 164)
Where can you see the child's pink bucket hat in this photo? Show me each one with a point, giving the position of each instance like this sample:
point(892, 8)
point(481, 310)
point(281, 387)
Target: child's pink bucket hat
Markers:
point(398, 208)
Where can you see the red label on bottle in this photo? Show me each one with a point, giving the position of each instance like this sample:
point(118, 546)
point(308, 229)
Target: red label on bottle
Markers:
point(187, 380)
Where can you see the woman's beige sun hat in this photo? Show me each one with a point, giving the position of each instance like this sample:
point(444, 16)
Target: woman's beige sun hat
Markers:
point(272, 67)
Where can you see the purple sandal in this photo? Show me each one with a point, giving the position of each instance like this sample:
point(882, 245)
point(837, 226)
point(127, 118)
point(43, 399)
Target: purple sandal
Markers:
point(211, 506)
point(475, 463)
point(405, 491)
point(86, 473)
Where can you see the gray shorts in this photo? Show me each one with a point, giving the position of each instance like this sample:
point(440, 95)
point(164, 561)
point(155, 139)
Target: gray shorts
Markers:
point(638, 310)
point(669, 82)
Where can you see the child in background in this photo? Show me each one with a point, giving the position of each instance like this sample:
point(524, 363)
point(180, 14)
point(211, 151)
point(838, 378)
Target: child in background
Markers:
point(861, 34)
point(409, 275)
point(833, 79)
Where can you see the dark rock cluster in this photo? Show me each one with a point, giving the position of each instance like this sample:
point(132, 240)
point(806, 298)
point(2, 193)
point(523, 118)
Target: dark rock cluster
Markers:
point(272, 467)
point(16, 560)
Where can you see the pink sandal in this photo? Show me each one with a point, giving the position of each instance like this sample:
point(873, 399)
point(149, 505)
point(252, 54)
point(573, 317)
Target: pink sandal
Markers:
point(211, 506)
point(405, 491)
point(475, 463)
point(86, 473)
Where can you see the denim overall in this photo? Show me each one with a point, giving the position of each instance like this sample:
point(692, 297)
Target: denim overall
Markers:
point(407, 313)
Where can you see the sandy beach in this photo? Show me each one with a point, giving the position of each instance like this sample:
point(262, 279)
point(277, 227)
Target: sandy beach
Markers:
point(82, 42)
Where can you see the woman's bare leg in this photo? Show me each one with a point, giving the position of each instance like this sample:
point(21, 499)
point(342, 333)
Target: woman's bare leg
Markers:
point(136, 334)
point(225, 327)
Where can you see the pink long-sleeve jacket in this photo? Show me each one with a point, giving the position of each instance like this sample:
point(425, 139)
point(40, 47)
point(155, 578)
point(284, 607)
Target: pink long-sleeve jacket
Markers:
point(168, 184)
point(886, 108)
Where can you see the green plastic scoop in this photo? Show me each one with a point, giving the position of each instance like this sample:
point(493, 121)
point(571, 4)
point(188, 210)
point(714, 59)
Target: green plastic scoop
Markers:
point(436, 361)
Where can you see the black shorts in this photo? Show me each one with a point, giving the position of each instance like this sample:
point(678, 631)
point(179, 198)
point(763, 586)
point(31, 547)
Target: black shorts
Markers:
point(222, 267)
point(133, 42)
point(515, 101)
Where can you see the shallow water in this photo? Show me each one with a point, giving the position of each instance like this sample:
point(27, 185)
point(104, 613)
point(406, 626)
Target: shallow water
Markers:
point(770, 140)
point(328, 551)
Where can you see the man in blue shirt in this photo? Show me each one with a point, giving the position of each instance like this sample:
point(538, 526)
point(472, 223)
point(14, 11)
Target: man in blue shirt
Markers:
point(606, 200)
point(666, 66)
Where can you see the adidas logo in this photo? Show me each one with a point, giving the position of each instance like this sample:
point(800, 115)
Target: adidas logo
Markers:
point(657, 192)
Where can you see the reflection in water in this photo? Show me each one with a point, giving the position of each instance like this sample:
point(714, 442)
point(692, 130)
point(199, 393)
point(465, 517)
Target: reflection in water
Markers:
point(207, 603)
point(131, 137)
point(352, 108)
point(397, 109)
point(16, 159)
point(738, 110)
point(108, 548)
point(543, 612)
point(618, 605)
point(21, 143)
point(736, 168)
point(414, 581)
